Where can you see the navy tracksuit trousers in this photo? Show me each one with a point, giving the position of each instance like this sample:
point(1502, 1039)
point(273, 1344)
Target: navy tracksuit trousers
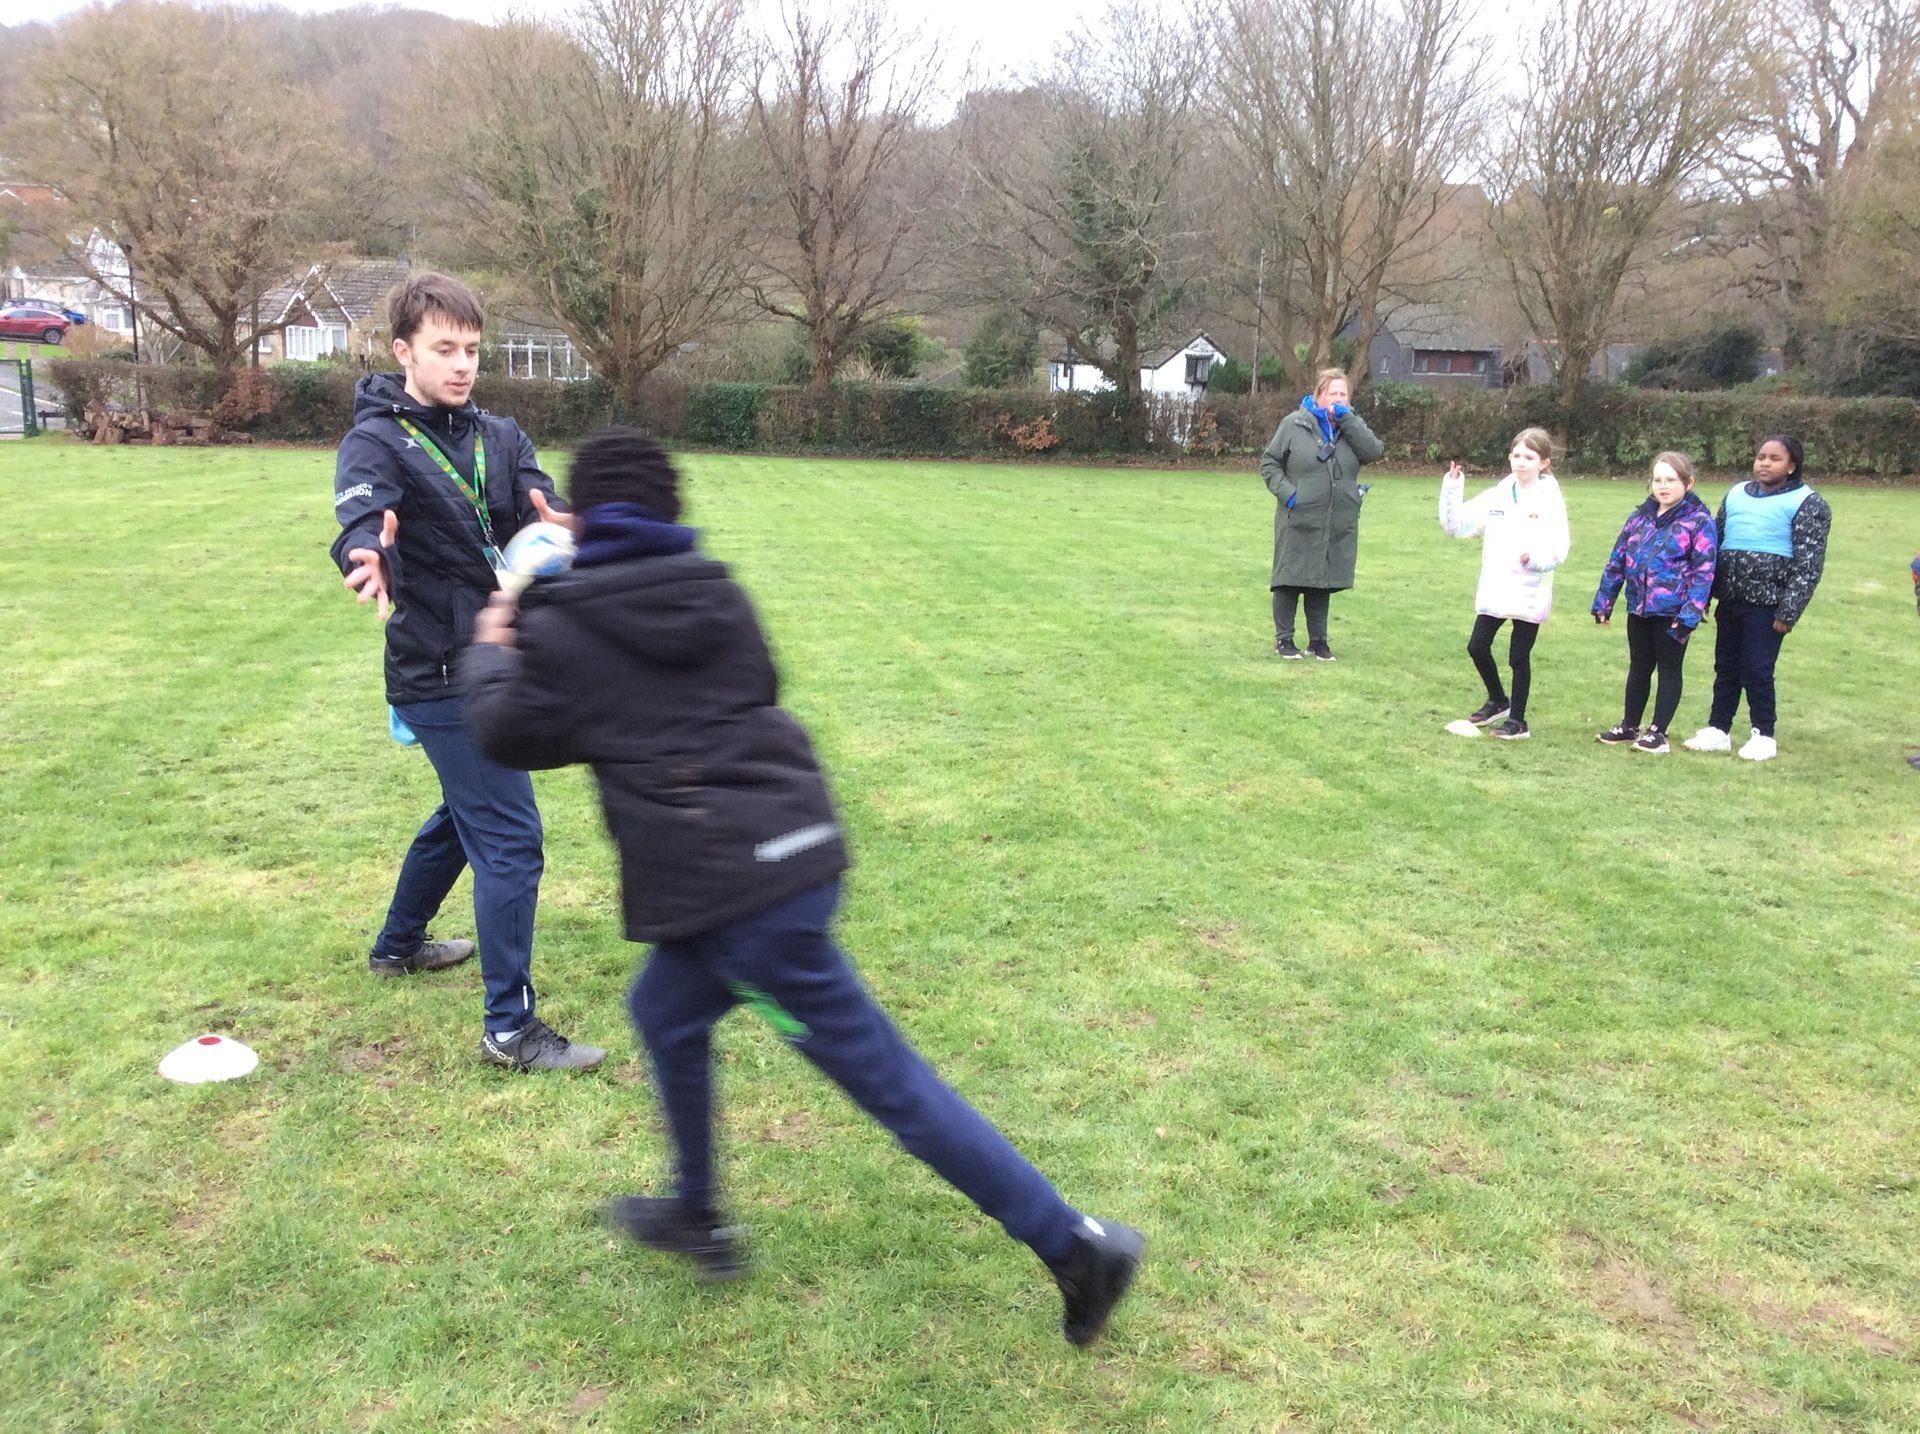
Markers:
point(783, 963)
point(486, 820)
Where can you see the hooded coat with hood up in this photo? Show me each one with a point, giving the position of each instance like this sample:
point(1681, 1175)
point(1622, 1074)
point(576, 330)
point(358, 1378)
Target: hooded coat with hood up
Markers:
point(653, 671)
point(438, 573)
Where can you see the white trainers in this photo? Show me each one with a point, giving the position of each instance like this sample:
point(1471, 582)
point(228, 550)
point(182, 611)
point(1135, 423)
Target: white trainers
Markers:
point(1709, 739)
point(1759, 749)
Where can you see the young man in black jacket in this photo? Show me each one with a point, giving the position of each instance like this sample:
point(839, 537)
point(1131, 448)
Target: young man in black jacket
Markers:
point(646, 661)
point(426, 488)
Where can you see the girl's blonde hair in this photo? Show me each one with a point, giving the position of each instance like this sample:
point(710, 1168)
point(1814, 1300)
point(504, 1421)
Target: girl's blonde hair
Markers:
point(1325, 377)
point(1678, 462)
point(1539, 440)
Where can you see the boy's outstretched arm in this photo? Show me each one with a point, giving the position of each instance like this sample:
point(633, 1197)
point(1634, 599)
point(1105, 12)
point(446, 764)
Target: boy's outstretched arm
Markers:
point(518, 718)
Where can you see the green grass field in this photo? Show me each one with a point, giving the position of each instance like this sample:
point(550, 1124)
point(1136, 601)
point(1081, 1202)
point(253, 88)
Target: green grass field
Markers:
point(1459, 1085)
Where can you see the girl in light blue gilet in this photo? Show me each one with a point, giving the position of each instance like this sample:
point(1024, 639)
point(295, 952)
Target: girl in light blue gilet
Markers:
point(1773, 544)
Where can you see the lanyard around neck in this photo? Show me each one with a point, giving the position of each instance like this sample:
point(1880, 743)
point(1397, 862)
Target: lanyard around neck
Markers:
point(475, 491)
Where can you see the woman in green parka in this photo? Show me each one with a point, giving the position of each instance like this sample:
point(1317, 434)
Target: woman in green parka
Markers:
point(1312, 469)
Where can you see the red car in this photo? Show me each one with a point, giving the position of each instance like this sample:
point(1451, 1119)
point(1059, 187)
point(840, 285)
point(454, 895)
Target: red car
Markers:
point(26, 321)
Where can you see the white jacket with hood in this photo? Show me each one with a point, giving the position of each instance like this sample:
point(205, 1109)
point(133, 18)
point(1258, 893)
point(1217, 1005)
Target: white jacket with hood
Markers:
point(1514, 520)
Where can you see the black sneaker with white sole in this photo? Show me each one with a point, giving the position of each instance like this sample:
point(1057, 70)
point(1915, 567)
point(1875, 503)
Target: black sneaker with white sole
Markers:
point(1284, 647)
point(1652, 740)
point(1512, 730)
point(1617, 736)
point(669, 1225)
point(1094, 1275)
point(1319, 650)
point(430, 956)
point(536, 1046)
point(1488, 712)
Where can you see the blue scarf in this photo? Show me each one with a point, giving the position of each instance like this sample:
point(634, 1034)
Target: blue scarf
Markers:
point(614, 532)
point(1322, 417)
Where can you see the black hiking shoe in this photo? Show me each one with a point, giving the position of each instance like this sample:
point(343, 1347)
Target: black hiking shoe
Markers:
point(1318, 649)
point(431, 956)
point(669, 1225)
point(1094, 1275)
point(1488, 712)
point(536, 1046)
point(1512, 730)
point(1285, 648)
point(1617, 736)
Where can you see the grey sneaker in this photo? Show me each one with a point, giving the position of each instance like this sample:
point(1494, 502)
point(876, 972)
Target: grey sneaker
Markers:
point(1618, 736)
point(669, 1225)
point(536, 1046)
point(431, 956)
point(1094, 1275)
point(1653, 740)
point(1488, 712)
point(1512, 730)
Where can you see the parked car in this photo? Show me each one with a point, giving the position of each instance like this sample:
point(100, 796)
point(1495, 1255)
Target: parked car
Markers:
point(22, 321)
point(75, 316)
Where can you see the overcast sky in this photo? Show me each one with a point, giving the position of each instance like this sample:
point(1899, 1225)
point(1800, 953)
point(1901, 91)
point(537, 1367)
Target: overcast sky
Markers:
point(1008, 34)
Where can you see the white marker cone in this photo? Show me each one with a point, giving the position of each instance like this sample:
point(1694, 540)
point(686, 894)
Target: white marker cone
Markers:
point(208, 1058)
point(1461, 727)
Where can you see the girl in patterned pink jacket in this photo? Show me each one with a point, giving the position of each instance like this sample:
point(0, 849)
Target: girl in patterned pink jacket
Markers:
point(1664, 560)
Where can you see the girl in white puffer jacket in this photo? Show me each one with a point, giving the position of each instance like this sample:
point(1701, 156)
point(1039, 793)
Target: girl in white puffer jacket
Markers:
point(1524, 523)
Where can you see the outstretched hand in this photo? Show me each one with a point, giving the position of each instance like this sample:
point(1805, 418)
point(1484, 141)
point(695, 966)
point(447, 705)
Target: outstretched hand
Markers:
point(494, 622)
point(368, 575)
point(1455, 472)
point(547, 513)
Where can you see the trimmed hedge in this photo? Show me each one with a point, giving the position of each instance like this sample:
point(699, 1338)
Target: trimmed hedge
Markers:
point(1613, 429)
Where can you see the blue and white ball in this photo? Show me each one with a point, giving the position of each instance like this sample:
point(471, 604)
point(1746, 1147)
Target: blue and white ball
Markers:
point(539, 550)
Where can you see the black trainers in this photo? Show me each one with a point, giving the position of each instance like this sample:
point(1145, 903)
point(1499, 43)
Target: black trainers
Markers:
point(431, 956)
point(1652, 740)
point(1512, 730)
point(1617, 736)
point(670, 1226)
point(1094, 1276)
point(1284, 646)
point(1488, 712)
point(536, 1046)
point(1318, 649)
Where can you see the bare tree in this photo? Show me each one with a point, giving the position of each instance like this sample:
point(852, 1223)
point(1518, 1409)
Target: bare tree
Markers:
point(837, 106)
point(1347, 119)
point(605, 165)
point(1073, 204)
point(170, 130)
point(1873, 287)
point(1597, 148)
point(1832, 81)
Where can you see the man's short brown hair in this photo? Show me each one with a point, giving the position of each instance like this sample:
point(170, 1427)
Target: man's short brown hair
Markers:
point(426, 293)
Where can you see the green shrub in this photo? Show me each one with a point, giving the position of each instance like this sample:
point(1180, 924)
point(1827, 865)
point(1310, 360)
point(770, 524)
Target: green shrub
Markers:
point(726, 415)
point(1003, 351)
point(1722, 355)
point(1611, 428)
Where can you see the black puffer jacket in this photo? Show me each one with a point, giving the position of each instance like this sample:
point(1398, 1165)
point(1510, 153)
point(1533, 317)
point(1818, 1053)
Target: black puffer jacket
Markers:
point(653, 671)
point(437, 572)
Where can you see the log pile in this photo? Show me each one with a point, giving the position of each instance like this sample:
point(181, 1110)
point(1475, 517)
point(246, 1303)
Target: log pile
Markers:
point(179, 426)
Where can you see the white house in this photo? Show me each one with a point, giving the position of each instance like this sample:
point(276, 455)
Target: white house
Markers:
point(336, 308)
point(1171, 372)
point(60, 284)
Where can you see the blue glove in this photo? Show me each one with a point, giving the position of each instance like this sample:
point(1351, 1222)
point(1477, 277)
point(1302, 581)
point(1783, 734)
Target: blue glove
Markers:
point(1340, 411)
point(1290, 498)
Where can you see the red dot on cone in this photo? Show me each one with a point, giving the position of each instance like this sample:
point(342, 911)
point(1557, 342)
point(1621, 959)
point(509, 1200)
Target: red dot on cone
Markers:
point(209, 1040)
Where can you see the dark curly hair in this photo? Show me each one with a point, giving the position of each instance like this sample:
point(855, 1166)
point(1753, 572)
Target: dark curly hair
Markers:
point(623, 465)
